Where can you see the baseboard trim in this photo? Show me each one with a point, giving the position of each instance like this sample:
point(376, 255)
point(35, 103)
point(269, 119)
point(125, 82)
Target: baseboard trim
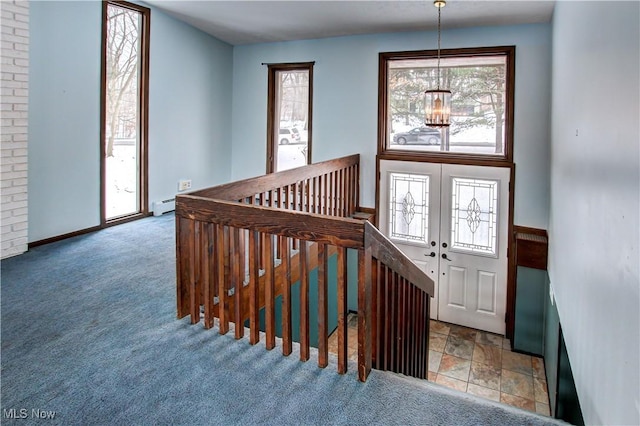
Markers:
point(63, 237)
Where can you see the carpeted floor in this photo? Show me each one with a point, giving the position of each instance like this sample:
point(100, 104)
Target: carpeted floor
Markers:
point(89, 332)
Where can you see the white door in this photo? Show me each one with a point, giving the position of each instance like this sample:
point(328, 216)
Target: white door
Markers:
point(452, 221)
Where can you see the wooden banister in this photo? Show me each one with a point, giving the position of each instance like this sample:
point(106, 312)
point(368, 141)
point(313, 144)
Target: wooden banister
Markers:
point(249, 187)
point(340, 231)
point(244, 244)
point(385, 251)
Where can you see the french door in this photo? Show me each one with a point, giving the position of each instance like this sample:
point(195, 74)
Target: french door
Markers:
point(452, 221)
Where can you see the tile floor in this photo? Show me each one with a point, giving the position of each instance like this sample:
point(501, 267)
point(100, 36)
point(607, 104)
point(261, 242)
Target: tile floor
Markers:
point(476, 362)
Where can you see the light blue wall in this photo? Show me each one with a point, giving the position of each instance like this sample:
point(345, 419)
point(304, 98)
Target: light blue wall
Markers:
point(594, 264)
point(64, 117)
point(189, 107)
point(345, 104)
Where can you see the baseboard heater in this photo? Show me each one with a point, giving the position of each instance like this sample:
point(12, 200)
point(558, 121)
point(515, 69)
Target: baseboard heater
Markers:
point(161, 207)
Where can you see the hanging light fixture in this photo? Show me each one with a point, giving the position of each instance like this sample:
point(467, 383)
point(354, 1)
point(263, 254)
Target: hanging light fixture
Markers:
point(437, 103)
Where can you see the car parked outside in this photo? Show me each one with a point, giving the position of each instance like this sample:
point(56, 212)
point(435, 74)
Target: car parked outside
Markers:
point(419, 135)
point(287, 136)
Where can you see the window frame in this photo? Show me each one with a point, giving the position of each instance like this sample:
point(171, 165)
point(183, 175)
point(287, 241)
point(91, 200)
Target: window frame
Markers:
point(273, 70)
point(386, 153)
point(143, 103)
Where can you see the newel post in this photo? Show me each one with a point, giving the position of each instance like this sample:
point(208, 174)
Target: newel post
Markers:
point(364, 311)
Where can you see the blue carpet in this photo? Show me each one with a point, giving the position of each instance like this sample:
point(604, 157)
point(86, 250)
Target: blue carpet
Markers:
point(89, 332)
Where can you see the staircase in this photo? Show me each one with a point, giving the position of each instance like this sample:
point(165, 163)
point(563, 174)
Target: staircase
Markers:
point(242, 246)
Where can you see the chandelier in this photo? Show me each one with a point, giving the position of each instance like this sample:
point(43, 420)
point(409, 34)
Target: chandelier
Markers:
point(437, 103)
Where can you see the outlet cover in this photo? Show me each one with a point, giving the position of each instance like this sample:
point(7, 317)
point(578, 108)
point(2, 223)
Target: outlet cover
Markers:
point(184, 184)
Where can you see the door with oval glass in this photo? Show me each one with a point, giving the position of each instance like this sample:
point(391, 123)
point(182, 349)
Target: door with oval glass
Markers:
point(452, 221)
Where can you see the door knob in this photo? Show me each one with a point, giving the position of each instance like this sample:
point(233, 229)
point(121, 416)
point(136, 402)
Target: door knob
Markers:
point(433, 254)
point(444, 256)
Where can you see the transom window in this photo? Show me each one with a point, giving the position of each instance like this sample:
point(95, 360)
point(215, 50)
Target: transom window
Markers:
point(481, 81)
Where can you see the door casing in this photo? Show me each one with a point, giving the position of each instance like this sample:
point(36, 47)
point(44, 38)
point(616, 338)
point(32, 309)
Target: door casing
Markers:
point(511, 285)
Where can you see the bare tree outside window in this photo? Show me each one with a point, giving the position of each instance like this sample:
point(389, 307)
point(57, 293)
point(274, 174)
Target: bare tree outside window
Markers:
point(122, 74)
point(478, 86)
point(125, 51)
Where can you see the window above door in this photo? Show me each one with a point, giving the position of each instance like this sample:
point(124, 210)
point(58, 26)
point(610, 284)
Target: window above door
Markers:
point(481, 81)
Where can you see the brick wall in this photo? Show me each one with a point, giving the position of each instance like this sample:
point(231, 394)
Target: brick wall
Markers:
point(14, 87)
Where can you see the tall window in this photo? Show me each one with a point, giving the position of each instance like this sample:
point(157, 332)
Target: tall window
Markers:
point(481, 82)
point(289, 116)
point(124, 111)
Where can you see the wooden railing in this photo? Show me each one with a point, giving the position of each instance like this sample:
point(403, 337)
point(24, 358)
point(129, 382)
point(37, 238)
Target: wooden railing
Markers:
point(243, 244)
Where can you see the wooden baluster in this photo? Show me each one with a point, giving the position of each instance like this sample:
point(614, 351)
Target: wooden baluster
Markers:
point(263, 260)
point(414, 333)
point(427, 331)
point(396, 322)
point(393, 320)
point(323, 313)
point(285, 197)
point(401, 323)
point(222, 284)
point(254, 280)
point(419, 353)
point(407, 352)
point(407, 323)
point(345, 192)
point(374, 310)
point(342, 309)
point(183, 260)
point(364, 313)
point(269, 294)
point(400, 319)
point(379, 315)
point(352, 193)
point(238, 279)
point(356, 186)
point(388, 318)
point(286, 296)
point(332, 194)
point(307, 195)
point(207, 282)
point(324, 194)
point(294, 242)
point(410, 354)
point(304, 301)
point(310, 195)
point(317, 194)
point(423, 372)
point(194, 292)
point(339, 193)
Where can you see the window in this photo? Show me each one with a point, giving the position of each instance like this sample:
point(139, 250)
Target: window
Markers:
point(481, 81)
point(125, 59)
point(289, 116)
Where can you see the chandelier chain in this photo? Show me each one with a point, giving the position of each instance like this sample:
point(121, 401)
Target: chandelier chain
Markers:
point(439, 11)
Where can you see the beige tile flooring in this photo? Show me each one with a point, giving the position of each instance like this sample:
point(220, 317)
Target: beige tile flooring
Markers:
point(478, 363)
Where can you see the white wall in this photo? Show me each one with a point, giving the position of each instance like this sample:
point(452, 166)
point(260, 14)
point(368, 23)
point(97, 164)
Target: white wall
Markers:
point(345, 104)
point(595, 203)
point(189, 113)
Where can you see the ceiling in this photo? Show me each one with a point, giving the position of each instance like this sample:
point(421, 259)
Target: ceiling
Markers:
point(244, 22)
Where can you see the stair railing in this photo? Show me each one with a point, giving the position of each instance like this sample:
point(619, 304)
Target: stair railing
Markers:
point(242, 245)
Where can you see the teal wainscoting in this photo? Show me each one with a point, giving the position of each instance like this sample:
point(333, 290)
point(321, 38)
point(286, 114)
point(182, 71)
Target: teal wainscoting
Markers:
point(531, 291)
point(332, 305)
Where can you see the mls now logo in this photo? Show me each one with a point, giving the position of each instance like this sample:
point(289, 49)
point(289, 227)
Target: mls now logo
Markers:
point(23, 413)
